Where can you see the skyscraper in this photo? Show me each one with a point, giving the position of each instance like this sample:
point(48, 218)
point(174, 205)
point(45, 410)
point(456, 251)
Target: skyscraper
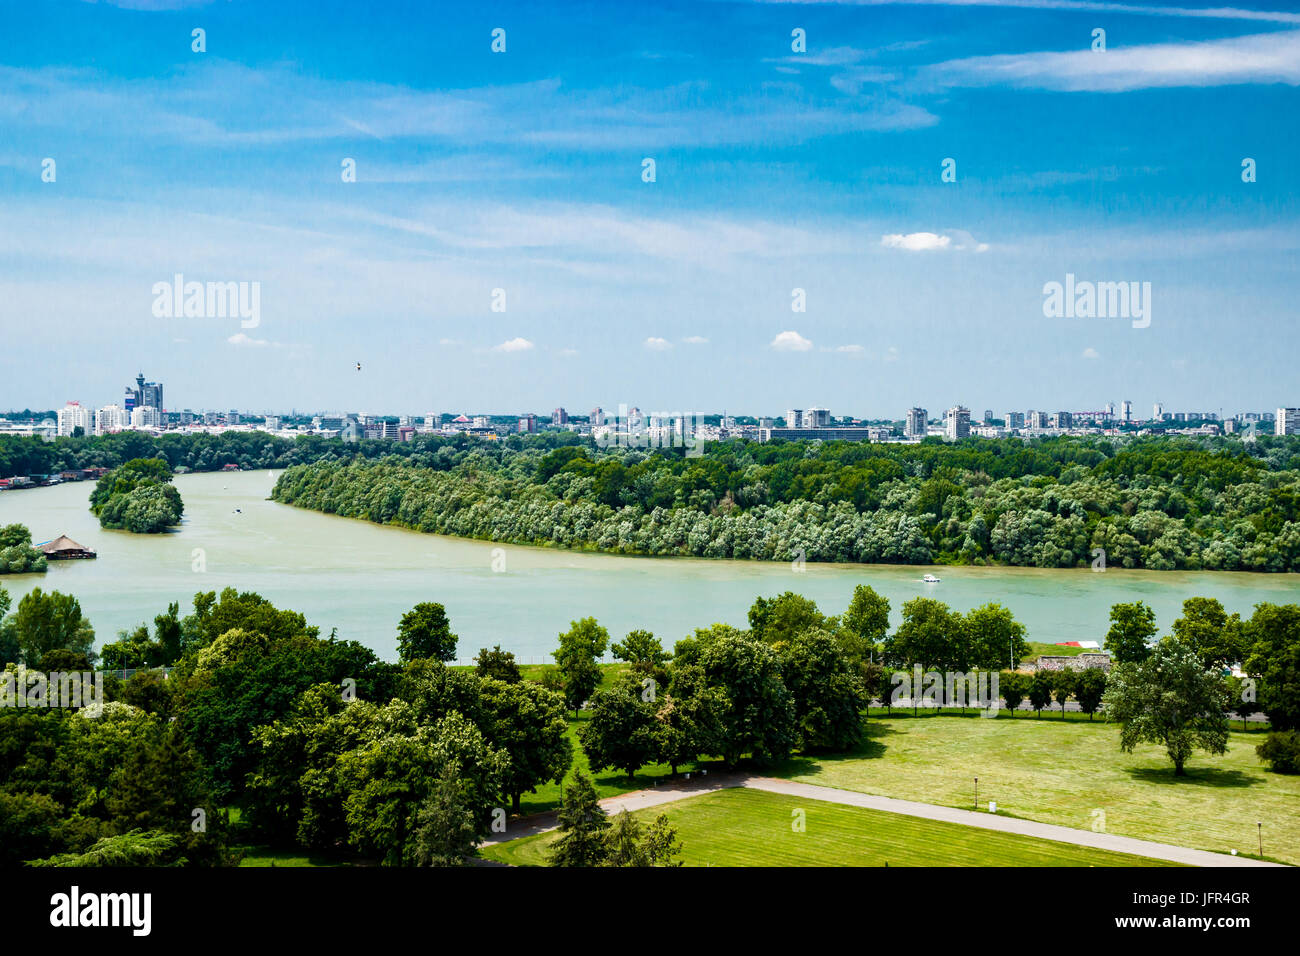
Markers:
point(956, 423)
point(1286, 423)
point(794, 418)
point(914, 426)
point(73, 416)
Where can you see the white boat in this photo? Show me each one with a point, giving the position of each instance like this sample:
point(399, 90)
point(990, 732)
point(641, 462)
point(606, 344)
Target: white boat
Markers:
point(930, 579)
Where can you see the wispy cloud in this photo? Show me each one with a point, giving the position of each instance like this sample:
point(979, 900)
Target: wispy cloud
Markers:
point(513, 345)
point(656, 344)
point(791, 341)
point(1259, 58)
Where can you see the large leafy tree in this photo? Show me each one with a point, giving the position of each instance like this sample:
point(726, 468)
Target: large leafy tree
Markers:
point(526, 721)
point(689, 717)
point(828, 695)
point(1274, 661)
point(931, 635)
point(757, 713)
point(580, 648)
point(47, 622)
point(1170, 698)
point(425, 632)
point(1132, 628)
point(994, 636)
point(1205, 627)
point(621, 733)
point(865, 625)
point(783, 617)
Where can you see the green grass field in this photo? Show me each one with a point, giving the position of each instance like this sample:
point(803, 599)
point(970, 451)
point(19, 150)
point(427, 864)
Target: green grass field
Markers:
point(1072, 773)
point(741, 827)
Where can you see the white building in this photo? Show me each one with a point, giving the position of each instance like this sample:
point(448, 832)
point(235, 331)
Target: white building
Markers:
point(914, 425)
point(146, 416)
point(794, 418)
point(956, 423)
point(111, 418)
point(73, 416)
point(1286, 423)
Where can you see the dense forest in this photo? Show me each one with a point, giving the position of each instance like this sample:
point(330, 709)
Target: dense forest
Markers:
point(1158, 503)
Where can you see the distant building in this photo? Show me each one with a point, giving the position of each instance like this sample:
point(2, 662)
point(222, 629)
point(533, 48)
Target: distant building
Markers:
point(528, 424)
point(73, 416)
point(111, 418)
point(597, 416)
point(1037, 420)
point(1126, 411)
point(1062, 420)
point(144, 395)
point(1286, 423)
point(988, 416)
point(956, 423)
point(1015, 420)
point(817, 418)
point(914, 425)
point(559, 417)
point(794, 418)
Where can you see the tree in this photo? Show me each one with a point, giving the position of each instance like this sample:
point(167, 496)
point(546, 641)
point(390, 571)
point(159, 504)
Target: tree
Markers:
point(497, 664)
point(866, 622)
point(1170, 698)
point(1274, 661)
point(583, 823)
point(1040, 690)
point(994, 637)
point(47, 622)
point(783, 617)
point(1012, 684)
point(1089, 688)
point(688, 717)
point(931, 635)
point(661, 843)
point(623, 843)
point(757, 714)
point(580, 648)
point(527, 722)
point(444, 825)
point(1132, 627)
point(1281, 750)
point(621, 731)
point(640, 648)
point(1063, 684)
point(828, 695)
point(424, 631)
point(1219, 640)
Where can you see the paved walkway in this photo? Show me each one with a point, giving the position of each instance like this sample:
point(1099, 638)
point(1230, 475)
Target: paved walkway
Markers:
point(711, 783)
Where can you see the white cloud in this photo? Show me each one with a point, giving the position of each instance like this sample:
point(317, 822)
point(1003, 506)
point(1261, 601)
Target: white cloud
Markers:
point(916, 241)
point(1091, 353)
point(1258, 58)
point(851, 349)
point(513, 345)
point(929, 241)
point(791, 342)
point(656, 344)
point(695, 340)
point(242, 340)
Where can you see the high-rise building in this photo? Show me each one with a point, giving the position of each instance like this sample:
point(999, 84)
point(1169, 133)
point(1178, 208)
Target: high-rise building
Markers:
point(956, 423)
point(73, 416)
point(1126, 411)
point(559, 417)
point(914, 425)
point(1015, 420)
point(143, 395)
point(1157, 412)
point(1062, 420)
point(528, 424)
point(597, 416)
point(794, 418)
point(1037, 419)
point(111, 418)
point(817, 418)
point(1286, 423)
point(146, 416)
point(988, 416)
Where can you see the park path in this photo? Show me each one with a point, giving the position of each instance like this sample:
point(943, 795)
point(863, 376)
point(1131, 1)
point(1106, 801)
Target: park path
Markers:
point(711, 783)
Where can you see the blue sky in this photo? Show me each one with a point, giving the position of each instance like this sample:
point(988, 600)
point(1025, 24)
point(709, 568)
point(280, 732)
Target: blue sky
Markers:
point(775, 170)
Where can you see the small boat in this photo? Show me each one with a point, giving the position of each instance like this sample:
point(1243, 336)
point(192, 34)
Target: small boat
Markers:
point(930, 579)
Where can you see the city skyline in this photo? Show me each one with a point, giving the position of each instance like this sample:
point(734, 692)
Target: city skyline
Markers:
point(783, 179)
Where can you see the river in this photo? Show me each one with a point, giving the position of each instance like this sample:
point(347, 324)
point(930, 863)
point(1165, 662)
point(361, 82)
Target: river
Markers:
point(360, 578)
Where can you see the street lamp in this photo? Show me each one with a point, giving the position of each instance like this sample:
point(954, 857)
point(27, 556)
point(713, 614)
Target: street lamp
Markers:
point(1260, 825)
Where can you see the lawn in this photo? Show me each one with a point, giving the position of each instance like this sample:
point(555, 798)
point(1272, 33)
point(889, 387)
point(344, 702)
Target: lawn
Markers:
point(1072, 773)
point(742, 827)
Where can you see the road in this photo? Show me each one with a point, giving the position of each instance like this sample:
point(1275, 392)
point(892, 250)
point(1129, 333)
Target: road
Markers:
point(711, 783)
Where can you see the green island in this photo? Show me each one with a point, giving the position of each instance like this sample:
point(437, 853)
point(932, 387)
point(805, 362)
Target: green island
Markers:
point(138, 496)
point(17, 556)
point(290, 748)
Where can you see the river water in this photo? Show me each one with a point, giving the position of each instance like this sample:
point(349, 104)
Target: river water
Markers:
point(360, 578)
